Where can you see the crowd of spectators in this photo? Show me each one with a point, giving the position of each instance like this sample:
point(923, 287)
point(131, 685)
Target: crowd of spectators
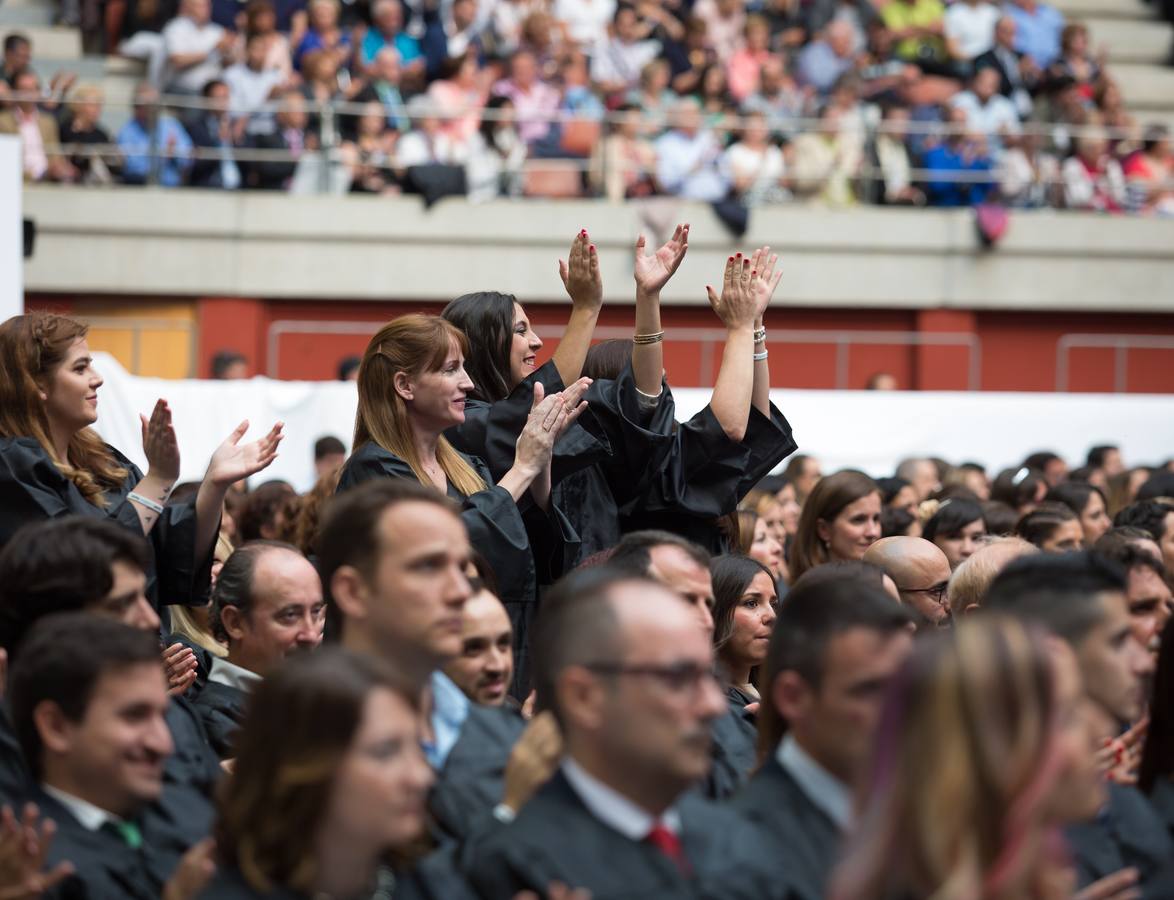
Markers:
point(899, 102)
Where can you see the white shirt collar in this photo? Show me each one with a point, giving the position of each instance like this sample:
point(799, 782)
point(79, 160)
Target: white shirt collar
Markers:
point(231, 675)
point(821, 787)
point(613, 808)
point(90, 817)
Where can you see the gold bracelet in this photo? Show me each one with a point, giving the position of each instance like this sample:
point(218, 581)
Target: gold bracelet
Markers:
point(648, 338)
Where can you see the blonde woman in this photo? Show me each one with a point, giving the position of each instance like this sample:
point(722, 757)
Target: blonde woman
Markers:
point(982, 753)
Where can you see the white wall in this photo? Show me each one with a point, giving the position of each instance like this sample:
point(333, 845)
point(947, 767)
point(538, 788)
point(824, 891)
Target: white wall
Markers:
point(11, 229)
point(862, 429)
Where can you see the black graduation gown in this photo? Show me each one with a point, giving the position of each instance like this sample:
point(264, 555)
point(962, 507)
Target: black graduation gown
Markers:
point(556, 838)
point(1127, 832)
point(222, 709)
point(497, 529)
point(803, 838)
point(15, 782)
point(472, 781)
point(1162, 800)
point(105, 867)
point(733, 755)
point(32, 488)
point(704, 475)
point(229, 884)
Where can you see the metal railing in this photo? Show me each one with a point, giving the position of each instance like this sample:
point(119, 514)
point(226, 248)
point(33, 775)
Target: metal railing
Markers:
point(1120, 344)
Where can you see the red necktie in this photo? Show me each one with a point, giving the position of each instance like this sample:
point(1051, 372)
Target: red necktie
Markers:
point(667, 842)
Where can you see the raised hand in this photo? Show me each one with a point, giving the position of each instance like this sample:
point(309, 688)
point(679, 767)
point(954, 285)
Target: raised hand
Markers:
point(23, 848)
point(191, 876)
point(533, 760)
point(181, 666)
point(580, 274)
point(1121, 885)
point(736, 306)
point(653, 272)
point(233, 461)
point(763, 262)
point(160, 445)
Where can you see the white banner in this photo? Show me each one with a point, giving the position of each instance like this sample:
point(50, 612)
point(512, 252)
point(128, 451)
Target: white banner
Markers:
point(11, 228)
point(868, 430)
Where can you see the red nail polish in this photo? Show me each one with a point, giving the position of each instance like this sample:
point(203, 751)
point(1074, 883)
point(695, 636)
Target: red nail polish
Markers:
point(731, 259)
point(739, 255)
point(752, 272)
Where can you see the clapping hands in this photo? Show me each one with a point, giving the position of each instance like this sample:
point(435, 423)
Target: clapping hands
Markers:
point(653, 272)
point(580, 274)
point(233, 461)
point(737, 306)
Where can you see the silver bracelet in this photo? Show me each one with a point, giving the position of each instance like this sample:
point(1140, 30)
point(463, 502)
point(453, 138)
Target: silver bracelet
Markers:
point(759, 357)
point(156, 508)
point(760, 335)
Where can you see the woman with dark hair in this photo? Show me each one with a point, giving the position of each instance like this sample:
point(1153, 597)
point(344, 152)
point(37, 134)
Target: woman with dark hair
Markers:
point(840, 520)
point(898, 493)
point(899, 522)
point(957, 528)
point(1155, 776)
point(53, 463)
point(743, 620)
point(412, 387)
point(1052, 527)
point(1088, 503)
point(1021, 488)
point(329, 780)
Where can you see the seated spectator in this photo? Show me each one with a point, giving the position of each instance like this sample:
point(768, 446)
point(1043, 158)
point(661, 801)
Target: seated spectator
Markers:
point(267, 605)
point(289, 136)
point(988, 112)
point(970, 28)
point(452, 36)
point(81, 128)
point(618, 61)
point(196, 47)
point(485, 668)
point(18, 54)
point(1123, 133)
point(1075, 61)
point(823, 62)
point(385, 86)
point(959, 165)
point(713, 95)
point(535, 102)
point(725, 23)
point(496, 154)
point(323, 84)
point(460, 96)
point(1029, 177)
point(40, 145)
point(624, 162)
point(387, 30)
point(1092, 178)
point(690, 56)
point(426, 144)
point(1149, 174)
point(324, 35)
point(778, 98)
point(826, 163)
point(585, 21)
point(135, 29)
point(261, 21)
point(508, 19)
point(1037, 30)
point(817, 15)
point(153, 129)
point(250, 84)
point(744, 68)
point(211, 130)
point(371, 154)
point(1018, 73)
point(579, 100)
point(889, 156)
point(918, 27)
point(686, 157)
point(755, 166)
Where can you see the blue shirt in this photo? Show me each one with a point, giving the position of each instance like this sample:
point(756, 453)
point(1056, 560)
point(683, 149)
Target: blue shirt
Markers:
point(135, 144)
point(819, 67)
point(946, 190)
point(405, 45)
point(1037, 34)
point(450, 708)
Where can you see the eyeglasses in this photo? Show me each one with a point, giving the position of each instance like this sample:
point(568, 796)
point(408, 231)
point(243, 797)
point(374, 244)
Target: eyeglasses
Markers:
point(937, 592)
point(680, 678)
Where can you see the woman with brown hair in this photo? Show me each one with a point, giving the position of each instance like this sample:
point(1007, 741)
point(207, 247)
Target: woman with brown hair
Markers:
point(412, 387)
point(53, 463)
point(329, 778)
point(840, 520)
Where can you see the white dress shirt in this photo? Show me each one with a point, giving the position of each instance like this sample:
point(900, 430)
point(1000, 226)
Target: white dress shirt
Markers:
point(612, 808)
point(90, 817)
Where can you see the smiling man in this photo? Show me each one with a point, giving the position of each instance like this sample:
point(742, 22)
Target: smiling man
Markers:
point(267, 604)
point(486, 664)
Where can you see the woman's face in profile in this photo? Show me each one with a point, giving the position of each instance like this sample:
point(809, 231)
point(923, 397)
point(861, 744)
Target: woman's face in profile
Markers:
point(524, 347)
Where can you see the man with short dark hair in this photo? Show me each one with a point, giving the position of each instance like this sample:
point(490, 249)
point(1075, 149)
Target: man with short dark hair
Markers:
point(683, 567)
point(486, 664)
point(1107, 458)
point(836, 644)
point(1081, 598)
point(229, 365)
point(266, 605)
point(1147, 590)
point(392, 556)
point(629, 676)
point(1155, 517)
point(329, 455)
point(89, 703)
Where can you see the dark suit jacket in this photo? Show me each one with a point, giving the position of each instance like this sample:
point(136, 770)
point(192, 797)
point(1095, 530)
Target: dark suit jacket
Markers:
point(221, 708)
point(472, 781)
point(1162, 800)
point(733, 754)
point(105, 868)
point(1008, 80)
point(1128, 832)
point(804, 839)
point(270, 174)
point(555, 838)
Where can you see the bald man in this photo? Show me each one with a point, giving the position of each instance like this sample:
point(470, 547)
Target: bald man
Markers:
point(971, 579)
point(922, 575)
